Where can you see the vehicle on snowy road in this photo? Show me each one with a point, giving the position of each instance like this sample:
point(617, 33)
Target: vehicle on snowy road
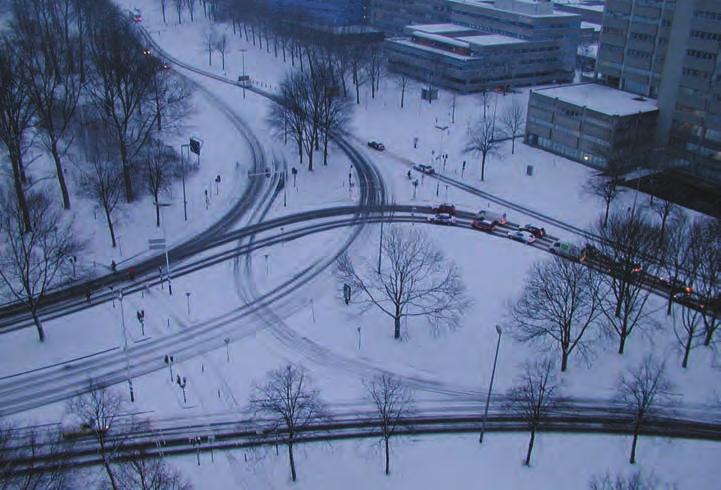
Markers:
point(442, 219)
point(376, 145)
point(521, 236)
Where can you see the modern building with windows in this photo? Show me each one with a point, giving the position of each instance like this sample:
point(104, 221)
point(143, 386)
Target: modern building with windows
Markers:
point(670, 50)
point(392, 16)
point(325, 12)
point(591, 123)
point(466, 60)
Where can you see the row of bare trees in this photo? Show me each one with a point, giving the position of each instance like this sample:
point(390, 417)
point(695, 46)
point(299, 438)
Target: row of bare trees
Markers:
point(310, 110)
point(66, 66)
point(566, 306)
point(37, 458)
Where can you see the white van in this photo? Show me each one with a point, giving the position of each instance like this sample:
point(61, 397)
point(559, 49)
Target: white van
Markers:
point(568, 250)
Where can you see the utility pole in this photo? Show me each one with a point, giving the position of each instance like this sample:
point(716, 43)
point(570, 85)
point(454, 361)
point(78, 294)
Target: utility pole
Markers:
point(380, 247)
point(182, 172)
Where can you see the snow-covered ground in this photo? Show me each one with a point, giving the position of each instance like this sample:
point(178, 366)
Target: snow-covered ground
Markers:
point(312, 326)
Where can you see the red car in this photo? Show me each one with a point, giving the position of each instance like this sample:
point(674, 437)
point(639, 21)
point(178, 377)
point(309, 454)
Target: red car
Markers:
point(483, 225)
point(444, 208)
point(534, 230)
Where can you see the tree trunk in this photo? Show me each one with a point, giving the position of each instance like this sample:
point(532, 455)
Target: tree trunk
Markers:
point(20, 195)
point(38, 325)
point(403, 94)
point(513, 144)
point(60, 174)
point(157, 213)
point(127, 179)
point(632, 459)
point(622, 343)
point(310, 157)
point(109, 471)
point(670, 301)
point(397, 330)
point(388, 458)
point(110, 227)
point(564, 360)
point(605, 216)
point(709, 336)
point(687, 348)
point(292, 460)
point(483, 167)
point(530, 447)
point(325, 148)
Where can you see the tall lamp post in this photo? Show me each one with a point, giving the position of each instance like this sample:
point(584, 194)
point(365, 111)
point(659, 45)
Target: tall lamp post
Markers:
point(165, 240)
point(490, 386)
point(242, 53)
point(182, 173)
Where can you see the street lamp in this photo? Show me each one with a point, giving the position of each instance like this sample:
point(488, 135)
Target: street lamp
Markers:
point(242, 53)
point(490, 386)
point(165, 242)
point(182, 173)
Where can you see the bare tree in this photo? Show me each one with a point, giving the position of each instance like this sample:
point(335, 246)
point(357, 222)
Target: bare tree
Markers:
point(625, 254)
point(558, 307)
point(35, 259)
point(606, 186)
point(374, 67)
point(402, 82)
point(221, 44)
point(48, 53)
point(288, 115)
point(163, 6)
point(482, 139)
point(143, 471)
point(179, 4)
point(101, 180)
point(16, 114)
point(122, 88)
point(393, 402)
point(534, 396)
point(160, 168)
point(336, 109)
point(97, 413)
point(665, 209)
point(634, 481)
point(34, 459)
point(288, 398)
point(513, 119)
point(642, 390)
point(210, 39)
point(708, 278)
point(191, 9)
point(415, 281)
point(681, 252)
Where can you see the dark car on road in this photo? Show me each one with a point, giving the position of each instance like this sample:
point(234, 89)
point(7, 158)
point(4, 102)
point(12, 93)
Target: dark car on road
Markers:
point(376, 145)
point(444, 208)
point(426, 169)
point(534, 230)
point(483, 225)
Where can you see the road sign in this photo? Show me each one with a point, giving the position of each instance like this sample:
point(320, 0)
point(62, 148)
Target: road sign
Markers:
point(156, 244)
point(195, 145)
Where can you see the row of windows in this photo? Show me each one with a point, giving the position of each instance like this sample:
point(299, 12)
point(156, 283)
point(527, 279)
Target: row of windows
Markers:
point(638, 36)
point(707, 14)
point(639, 54)
point(692, 72)
point(711, 36)
point(703, 55)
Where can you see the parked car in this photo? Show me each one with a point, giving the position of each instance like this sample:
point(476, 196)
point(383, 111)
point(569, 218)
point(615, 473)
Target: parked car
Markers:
point(522, 236)
point(426, 169)
point(590, 252)
point(444, 208)
point(376, 145)
point(498, 218)
point(534, 230)
point(567, 250)
point(442, 219)
point(483, 225)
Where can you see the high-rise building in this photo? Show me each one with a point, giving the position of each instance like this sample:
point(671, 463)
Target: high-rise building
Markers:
point(326, 12)
point(670, 50)
point(392, 16)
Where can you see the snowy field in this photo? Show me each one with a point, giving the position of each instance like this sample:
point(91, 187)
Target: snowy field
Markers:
point(338, 344)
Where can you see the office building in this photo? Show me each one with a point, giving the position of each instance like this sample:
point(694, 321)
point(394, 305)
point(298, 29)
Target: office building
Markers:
point(591, 123)
point(392, 16)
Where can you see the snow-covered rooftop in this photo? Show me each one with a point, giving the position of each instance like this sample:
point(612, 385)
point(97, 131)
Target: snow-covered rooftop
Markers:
point(441, 39)
point(490, 40)
point(450, 54)
point(526, 8)
point(601, 98)
point(439, 28)
point(590, 25)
